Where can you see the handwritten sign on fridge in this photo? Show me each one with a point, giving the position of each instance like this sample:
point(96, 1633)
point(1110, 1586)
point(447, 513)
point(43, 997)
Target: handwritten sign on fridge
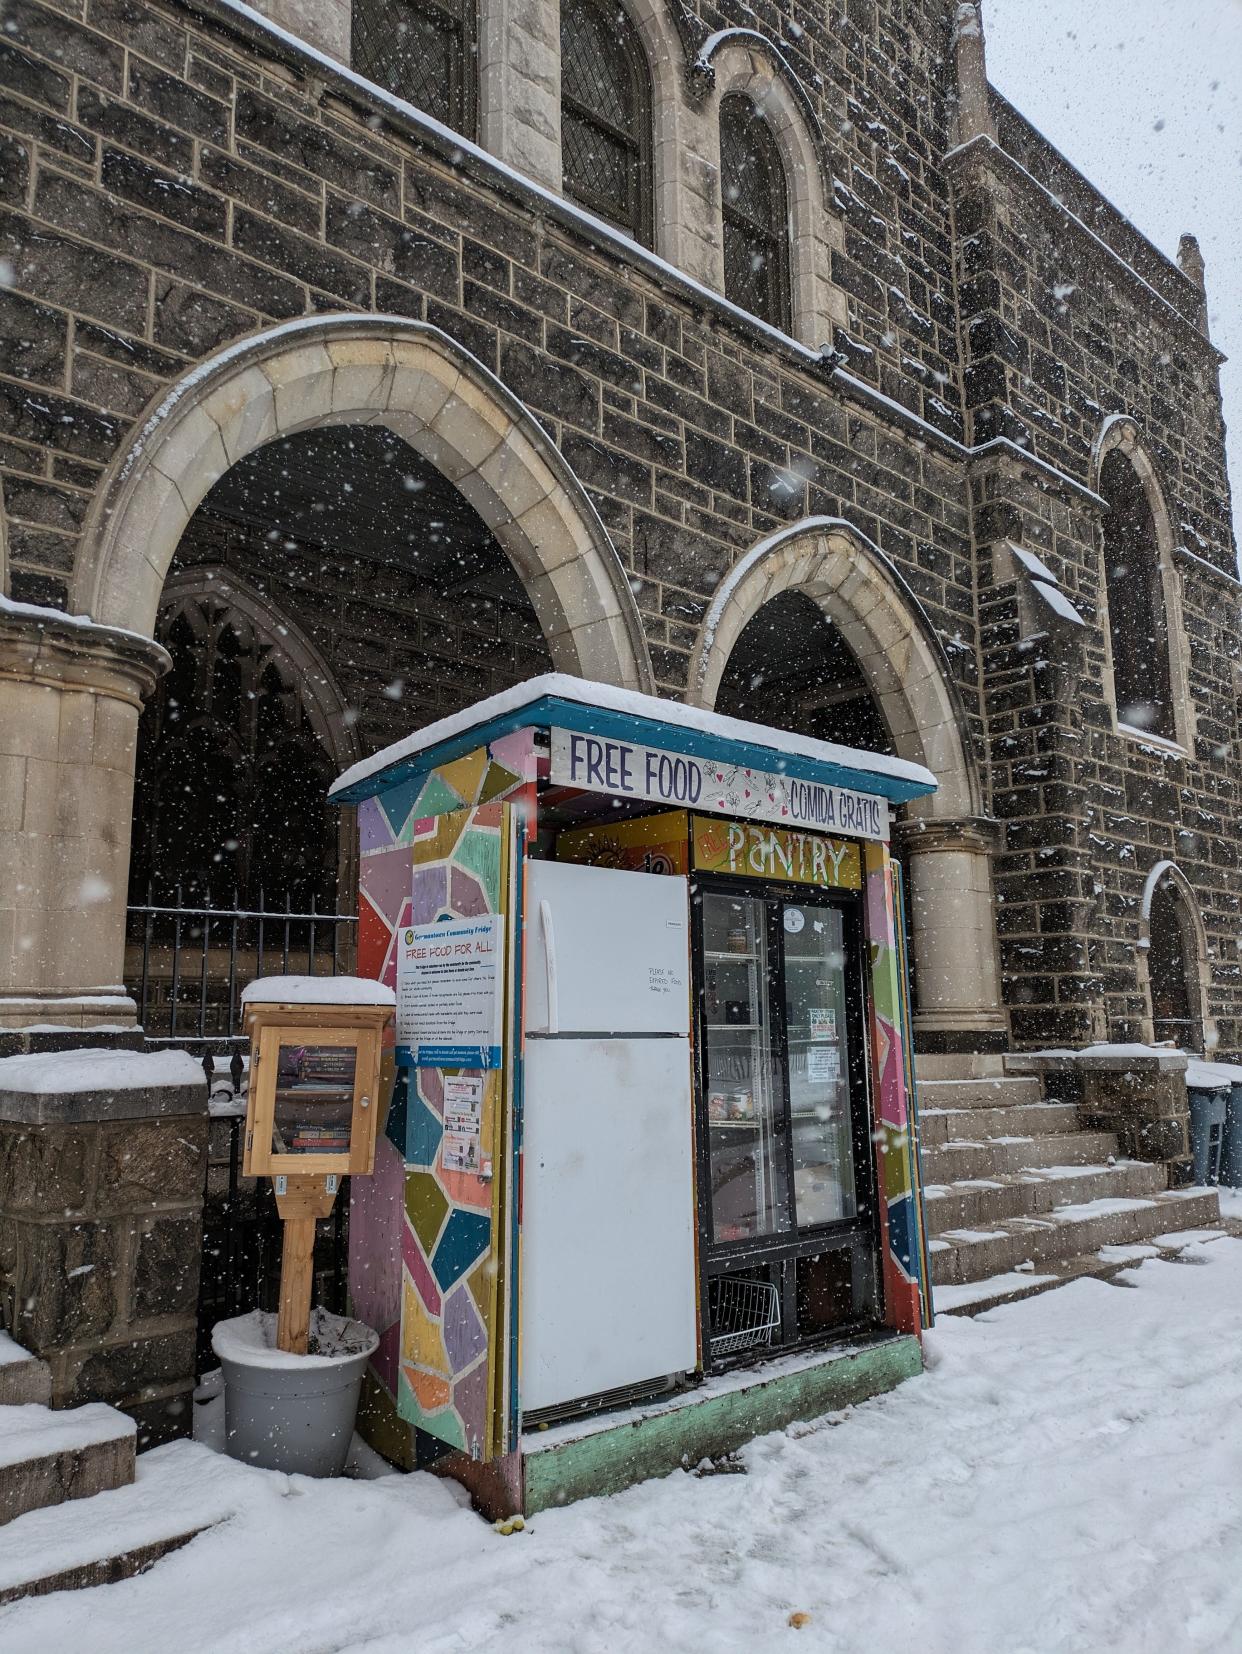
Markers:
point(623, 769)
point(449, 1000)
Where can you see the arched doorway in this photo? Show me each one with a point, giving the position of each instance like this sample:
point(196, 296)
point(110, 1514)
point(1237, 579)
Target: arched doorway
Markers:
point(816, 631)
point(333, 590)
point(791, 667)
point(1173, 947)
point(405, 381)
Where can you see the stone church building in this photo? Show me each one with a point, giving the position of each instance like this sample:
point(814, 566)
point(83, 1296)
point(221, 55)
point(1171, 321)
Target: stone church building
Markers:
point(362, 360)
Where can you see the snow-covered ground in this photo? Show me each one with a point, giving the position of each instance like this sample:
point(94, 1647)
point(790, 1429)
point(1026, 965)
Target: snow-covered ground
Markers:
point(1066, 1476)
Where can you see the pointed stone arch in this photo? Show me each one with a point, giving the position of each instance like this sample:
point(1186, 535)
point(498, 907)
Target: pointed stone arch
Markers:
point(948, 842)
point(316, 683)
point(1120, 434)
point(1196, 961)
point(864, 596)
point(743, 62)
point(427, 389)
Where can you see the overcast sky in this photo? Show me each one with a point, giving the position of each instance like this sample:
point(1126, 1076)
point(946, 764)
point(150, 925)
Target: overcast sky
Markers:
point(1145, 97)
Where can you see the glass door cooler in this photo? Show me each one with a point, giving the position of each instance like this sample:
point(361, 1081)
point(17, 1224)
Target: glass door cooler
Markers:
point(787, 1208)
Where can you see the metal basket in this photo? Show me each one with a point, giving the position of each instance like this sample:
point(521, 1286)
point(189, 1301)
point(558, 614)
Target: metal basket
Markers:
point(744, 1315)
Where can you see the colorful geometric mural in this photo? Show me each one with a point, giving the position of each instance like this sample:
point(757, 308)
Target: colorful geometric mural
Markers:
point(902, 1255)
point(426, 1240)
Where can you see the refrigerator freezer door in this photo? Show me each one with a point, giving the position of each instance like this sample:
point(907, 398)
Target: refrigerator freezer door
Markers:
point(608, 1295)
point(606, 952)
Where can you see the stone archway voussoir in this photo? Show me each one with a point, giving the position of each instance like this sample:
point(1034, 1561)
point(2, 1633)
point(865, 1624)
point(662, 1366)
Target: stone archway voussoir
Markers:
point(243, 407)
point(301, 381)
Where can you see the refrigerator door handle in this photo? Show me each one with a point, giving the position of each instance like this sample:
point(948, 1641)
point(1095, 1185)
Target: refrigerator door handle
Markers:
point(549, 959)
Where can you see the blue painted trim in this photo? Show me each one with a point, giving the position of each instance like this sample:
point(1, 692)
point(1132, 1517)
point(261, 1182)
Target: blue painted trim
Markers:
point(550, 710)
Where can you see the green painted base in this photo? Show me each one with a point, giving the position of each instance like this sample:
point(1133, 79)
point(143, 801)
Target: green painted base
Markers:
point(607, 1454)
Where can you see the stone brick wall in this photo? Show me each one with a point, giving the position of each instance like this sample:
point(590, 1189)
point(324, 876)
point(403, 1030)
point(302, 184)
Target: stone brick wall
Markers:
point(196, 190)
point(171, 182)
point(1058, 335)
point(100, 1240)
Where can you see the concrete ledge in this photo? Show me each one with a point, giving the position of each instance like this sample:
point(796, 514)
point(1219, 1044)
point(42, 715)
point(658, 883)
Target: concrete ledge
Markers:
point(67, 1088)
point(1100, 1059)
point(611, 1452)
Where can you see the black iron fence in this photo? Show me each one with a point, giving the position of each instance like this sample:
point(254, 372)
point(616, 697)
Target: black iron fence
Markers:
point(185, 968)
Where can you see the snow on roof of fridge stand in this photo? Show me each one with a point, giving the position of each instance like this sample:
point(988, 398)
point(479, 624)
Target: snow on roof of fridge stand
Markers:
point(317, 990)
point(557, 698)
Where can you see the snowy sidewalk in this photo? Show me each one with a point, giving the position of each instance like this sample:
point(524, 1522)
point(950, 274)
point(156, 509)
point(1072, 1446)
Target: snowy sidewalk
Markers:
point(1066, 1476)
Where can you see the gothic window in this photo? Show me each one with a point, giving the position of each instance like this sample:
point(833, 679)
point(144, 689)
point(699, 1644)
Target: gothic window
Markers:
point(424, 51)
point(1137, 620)
point(1170, 966)
point(606, 116)
point(755, 207)
point(231, 784)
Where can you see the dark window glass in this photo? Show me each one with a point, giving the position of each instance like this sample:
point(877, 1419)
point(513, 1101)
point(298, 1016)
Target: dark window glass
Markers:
point(1137, 622)
point(606, 116)
point(756, 213)
point(422, 50)
point(1168, 963)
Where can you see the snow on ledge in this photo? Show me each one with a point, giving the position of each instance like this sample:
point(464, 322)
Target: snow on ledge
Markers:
point(44, 615)
point(608, 698)
point(45, 1073)
point(33, 1431)
point(317, 990)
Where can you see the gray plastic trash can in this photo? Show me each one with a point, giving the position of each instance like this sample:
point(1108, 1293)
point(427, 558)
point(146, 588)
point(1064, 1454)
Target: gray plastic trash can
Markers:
point(1207, 1129)
point(1231, 1146)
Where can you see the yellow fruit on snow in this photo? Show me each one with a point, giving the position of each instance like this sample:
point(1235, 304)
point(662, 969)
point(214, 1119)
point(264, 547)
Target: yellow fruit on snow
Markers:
point(799, 1619)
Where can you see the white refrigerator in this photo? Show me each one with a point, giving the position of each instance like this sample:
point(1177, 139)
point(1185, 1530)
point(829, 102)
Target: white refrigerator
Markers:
point(607, 1263)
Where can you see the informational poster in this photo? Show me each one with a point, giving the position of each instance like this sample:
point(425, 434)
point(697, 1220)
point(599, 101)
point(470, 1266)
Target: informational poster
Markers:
point(625, 769)
point(823, 1022)
point(823, 1062)
point(463, 1123)
point(449, 996)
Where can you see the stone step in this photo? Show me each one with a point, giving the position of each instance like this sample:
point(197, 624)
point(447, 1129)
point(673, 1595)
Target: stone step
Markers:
point(979, 1158)
point(977, 1297)
point(944, 1125)
point(963, 1255)
point(983, 1202)
point(993, 1091)
point(47, 1457)
point(120, 1533)
point(23, 1377)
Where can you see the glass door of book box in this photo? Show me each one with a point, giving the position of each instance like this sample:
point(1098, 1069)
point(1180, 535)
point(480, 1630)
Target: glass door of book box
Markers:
point(787, 1205)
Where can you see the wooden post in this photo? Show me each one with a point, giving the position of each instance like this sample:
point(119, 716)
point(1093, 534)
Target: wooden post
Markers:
point(303, 1201)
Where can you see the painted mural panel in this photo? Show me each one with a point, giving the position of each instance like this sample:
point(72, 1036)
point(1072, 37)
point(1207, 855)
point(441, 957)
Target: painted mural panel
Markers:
point(422, 1258)
point(896, 1161)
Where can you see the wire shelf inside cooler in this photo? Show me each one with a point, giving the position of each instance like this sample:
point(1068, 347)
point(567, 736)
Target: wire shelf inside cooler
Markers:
point(744, 1314)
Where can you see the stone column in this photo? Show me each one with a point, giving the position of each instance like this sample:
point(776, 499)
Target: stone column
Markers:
point(974, 111)
point(70, 696)
point(520, 87)
point(957, 994)
point(102, 1161)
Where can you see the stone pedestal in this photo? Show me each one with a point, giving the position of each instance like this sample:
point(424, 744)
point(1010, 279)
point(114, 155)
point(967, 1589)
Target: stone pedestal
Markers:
point(102, 1162)
point(70, 696)
point(1138, 1093)
point(957, 986)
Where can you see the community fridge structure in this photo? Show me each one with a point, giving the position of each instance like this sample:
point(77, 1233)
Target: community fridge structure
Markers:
point(649, 1115)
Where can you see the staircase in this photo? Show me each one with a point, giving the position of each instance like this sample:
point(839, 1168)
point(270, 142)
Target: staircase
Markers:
point(1021, 1198)
point(60, 1472)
